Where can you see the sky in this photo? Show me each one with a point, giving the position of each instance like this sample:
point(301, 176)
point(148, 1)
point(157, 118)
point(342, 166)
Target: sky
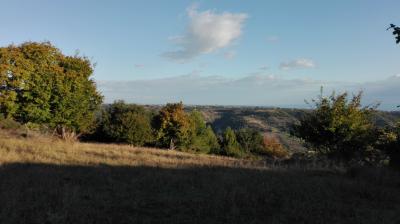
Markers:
point(225, 52)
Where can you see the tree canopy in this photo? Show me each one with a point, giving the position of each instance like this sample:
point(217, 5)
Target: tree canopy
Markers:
point(41, 85)
point(126, 123)
point(338, 126)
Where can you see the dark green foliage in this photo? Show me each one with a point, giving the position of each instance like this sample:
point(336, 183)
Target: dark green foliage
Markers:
point(396, 32)
point(202, 137)
point(230, 146)
point(127, 123)
point(389, 142)
point(43, 86)
point(338, 127)
point(250, 140)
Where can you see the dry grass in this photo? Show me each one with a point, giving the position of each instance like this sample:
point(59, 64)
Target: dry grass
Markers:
point(44, 180)
point(46, 150)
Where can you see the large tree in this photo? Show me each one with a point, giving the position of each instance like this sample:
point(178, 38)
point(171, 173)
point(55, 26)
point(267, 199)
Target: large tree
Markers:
point(41, 85)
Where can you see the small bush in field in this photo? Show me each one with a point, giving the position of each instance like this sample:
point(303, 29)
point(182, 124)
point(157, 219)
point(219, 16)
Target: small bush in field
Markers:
point(272, 147)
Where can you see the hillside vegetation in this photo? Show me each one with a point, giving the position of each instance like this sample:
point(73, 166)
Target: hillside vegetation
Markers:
point(45, 180)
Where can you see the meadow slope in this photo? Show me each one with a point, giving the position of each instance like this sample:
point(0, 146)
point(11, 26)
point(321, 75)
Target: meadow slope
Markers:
point(43, 180)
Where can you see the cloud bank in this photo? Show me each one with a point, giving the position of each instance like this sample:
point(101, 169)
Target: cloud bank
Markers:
point(298, 63)
point(206, 32)
point(260, 90)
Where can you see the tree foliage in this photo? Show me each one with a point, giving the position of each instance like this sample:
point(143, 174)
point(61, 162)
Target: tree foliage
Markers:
point(173, 126)
point(338, 127)
point(396, 32)
point(39, 84)
point(127, 123)
point(250, 140)
point(203, 138)
point(230, 145)
point(389, 142)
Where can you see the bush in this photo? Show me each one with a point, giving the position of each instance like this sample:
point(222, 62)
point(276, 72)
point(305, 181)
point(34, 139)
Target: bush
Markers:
point(273, 148)
point(126, 123)
point(250, 140)
point(338, 127)
point(389, 142)
point(230, 146)
point(202, 137)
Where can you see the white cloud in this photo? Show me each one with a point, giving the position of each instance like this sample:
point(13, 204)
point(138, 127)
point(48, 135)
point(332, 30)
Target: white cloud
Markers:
point(258, 89)
point(298, 63)
point(206, 32)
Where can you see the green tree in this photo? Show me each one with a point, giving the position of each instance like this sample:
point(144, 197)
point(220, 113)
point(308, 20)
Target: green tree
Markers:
point(230, 146)
point(250, 140)
point(127, 123)
point(338, 127)
point(41, 85)
point(202, 138)
point(173, 127)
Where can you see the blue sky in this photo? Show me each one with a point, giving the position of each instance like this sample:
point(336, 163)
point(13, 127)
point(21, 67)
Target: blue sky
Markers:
point(339, 44)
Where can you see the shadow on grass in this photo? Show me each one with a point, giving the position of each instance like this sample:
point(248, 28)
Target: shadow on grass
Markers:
point(38, 193)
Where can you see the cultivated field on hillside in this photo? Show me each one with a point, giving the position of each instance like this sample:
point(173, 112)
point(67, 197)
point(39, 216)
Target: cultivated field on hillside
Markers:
point(43, 180)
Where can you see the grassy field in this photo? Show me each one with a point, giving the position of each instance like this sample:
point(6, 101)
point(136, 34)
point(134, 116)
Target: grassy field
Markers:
point(43, 180)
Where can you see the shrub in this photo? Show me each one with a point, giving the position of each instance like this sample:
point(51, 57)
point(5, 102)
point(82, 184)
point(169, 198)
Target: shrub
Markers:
point(126, 123)
point(250, 140)
point(273, 148)
point(389, 142)
point(230, 146)
point(338, 127)
point(202, 137)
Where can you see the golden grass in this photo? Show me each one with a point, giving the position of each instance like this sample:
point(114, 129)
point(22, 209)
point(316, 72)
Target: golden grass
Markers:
point(46, 150)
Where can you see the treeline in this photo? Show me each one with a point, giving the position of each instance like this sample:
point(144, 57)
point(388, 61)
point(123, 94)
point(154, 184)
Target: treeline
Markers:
point(42, 89)
point(173, 128)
